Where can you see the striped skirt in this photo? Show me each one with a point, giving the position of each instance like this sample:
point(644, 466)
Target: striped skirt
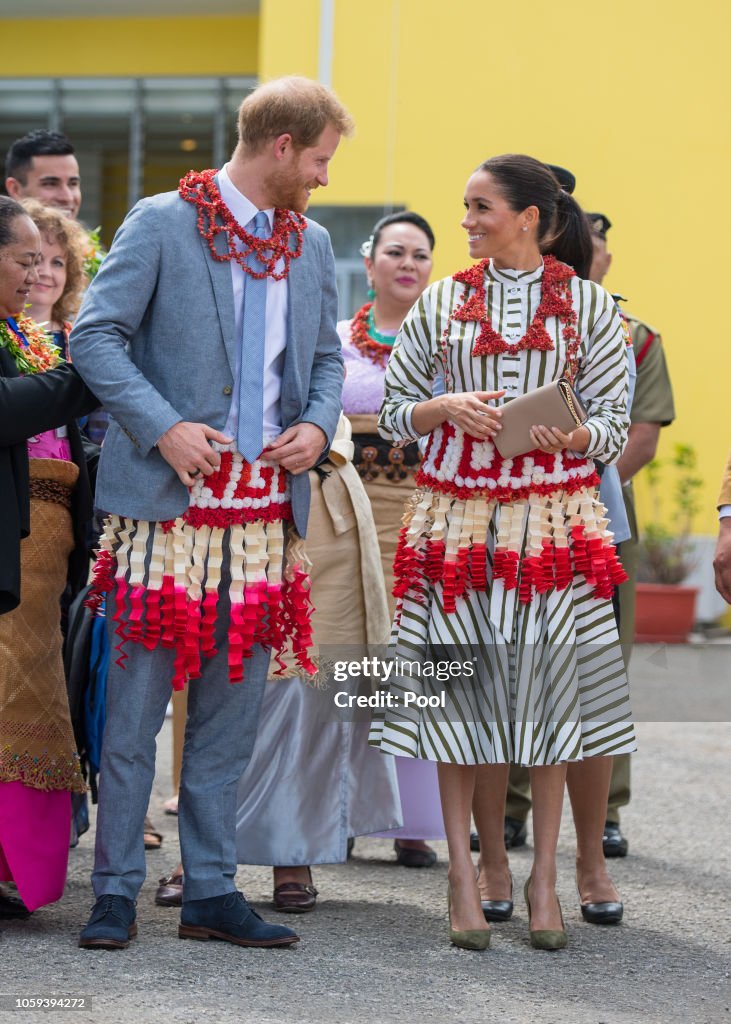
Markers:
point(494, 679)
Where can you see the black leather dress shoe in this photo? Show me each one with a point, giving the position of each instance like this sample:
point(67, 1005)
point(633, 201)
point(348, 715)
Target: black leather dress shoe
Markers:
point(231, 919)
point(602, 913)
point(11, 906)
point(497, 910)
point(516, 833)
point(614, 843)
point(408, 857)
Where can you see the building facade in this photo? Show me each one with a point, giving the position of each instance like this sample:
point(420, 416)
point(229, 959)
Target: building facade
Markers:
point(632, 99)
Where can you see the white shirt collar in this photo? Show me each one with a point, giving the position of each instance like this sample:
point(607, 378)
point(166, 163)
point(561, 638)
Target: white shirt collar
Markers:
point(242, 208)
point(514, 277)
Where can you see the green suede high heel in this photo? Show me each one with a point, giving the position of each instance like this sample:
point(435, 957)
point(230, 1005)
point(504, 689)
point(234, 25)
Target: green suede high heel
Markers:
point(472, 938)
point(546, 938)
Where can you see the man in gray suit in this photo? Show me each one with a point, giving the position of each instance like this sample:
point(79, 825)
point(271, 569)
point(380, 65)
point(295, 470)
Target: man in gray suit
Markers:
point(209, 335)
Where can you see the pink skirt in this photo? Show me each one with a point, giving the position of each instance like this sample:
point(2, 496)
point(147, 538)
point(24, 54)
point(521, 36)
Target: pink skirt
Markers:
point(35, 828)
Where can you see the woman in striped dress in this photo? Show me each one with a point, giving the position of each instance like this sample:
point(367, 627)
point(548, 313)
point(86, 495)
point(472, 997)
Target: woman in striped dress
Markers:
point(505, 568)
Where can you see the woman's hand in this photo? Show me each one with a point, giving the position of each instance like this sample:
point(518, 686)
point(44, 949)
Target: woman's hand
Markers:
point(470, 411)
point(467, 410)
point(552, 440)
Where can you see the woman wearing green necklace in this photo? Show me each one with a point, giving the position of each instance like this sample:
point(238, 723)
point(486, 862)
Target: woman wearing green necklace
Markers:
point(398, 264)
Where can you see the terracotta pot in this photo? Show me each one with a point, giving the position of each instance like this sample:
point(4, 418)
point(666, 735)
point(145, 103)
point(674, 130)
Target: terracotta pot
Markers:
point(665, 613)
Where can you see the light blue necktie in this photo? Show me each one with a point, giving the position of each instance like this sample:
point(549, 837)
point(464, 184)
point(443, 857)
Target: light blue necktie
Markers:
point(249, 436)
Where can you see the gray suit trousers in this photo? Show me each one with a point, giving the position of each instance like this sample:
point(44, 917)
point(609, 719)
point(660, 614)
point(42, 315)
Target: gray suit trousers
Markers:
point(219, 738)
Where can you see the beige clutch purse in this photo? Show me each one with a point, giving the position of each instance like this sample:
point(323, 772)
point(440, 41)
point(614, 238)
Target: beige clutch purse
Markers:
point(553, 405)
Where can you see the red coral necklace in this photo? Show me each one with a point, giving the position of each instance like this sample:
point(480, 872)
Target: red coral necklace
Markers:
point(555, 301)
point(214, 218)
point(361, 334)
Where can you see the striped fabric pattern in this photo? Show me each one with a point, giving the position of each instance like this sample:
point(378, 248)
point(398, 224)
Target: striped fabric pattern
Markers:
point(548, 682)
point(511, 300)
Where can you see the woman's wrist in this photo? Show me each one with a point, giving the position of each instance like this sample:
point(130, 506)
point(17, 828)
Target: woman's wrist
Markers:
point(429, 414)
point(580, 440)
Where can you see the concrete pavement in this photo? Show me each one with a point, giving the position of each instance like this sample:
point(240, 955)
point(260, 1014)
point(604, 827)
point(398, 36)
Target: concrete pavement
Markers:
point(376, 948)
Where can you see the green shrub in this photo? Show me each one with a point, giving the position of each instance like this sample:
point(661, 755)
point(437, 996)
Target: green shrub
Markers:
point(666, 552)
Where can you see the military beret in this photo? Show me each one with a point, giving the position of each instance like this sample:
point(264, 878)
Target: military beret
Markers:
point(600, 224)
point(565, 178)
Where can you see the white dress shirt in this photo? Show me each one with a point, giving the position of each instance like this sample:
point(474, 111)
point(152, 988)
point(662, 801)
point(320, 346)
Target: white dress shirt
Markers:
point(275, 331)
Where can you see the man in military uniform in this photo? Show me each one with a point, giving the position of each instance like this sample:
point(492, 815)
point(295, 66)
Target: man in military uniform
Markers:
point(652, 409)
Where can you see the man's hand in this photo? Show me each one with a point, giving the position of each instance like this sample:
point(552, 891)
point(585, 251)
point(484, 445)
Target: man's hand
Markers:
point(722, 559)
point(297, 448)
point(186, 447)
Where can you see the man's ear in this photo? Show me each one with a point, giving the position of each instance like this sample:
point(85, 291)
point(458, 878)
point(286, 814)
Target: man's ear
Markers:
point(282, 146)
point(14, 188)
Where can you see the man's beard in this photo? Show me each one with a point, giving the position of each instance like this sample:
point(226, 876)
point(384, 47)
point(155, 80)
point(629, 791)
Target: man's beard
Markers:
point(287, 189)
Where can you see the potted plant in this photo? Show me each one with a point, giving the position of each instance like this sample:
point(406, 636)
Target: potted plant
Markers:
point(665, 608)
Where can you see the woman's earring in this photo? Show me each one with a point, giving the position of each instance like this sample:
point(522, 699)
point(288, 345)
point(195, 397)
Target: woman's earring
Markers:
point(525, 227)
point(371, 292)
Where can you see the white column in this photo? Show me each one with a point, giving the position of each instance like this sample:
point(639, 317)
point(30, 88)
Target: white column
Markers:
point(327, 42)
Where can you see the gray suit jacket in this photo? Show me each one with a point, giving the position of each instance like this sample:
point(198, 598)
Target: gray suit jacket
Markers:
point(155, 341)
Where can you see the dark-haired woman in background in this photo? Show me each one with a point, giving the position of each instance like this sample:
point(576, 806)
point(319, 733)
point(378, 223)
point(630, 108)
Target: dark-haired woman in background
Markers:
point(398, 263)
point(45, 502)
point(506, 563)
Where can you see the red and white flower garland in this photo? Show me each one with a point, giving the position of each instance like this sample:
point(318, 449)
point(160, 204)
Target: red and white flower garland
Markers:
point(550, 525)
point(166, 576)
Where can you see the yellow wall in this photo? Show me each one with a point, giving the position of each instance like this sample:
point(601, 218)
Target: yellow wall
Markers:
point(213, 45)
point(633, 97)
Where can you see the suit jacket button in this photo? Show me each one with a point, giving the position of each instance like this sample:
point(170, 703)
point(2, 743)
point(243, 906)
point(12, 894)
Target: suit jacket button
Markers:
point(228, 390)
